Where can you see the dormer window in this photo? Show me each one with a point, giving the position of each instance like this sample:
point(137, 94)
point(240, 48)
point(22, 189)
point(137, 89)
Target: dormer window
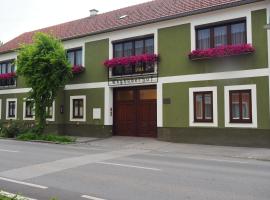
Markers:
point(221, 34)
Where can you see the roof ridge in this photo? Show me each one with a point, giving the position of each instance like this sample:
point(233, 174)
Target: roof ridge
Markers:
point(139, 14)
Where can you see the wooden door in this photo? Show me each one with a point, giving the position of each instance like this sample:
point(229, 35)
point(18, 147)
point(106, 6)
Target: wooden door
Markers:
point(135, 112)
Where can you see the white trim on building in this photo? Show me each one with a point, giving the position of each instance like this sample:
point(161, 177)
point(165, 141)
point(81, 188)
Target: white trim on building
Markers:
point(227, 90)
point(191, 107)
point(83, 97)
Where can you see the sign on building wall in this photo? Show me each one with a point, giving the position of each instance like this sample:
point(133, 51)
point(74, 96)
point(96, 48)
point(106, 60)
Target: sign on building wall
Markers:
point(134, 80)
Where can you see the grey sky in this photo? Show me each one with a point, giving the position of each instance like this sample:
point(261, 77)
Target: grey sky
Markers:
point(19, 16)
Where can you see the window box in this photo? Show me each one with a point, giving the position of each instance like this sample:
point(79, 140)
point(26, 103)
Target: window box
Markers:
point(77, 69)
point(132, 60)
point(222, 51)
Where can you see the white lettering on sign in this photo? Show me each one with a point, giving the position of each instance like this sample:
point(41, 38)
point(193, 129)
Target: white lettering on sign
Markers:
point(133, 81)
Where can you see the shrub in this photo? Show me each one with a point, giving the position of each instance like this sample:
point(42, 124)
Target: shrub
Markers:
point(13, 129)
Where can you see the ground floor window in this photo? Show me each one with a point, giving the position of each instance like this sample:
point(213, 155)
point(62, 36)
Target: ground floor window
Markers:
point(50, 112)
point(28, 109)
point(77, 108)
point(241, 106)
point(203, 106)
point(11, 108)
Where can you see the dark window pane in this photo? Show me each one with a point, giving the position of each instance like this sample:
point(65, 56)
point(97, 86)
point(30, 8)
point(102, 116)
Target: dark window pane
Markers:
point(220, 36)
point(199, 106)
point(78, 57)
point(71, 57)
point(203, 39)
point(235, 106)
point(246, 106)
point(149, 46)
point(139, 47)
point(4, 68)
point(118, 50)
point(238, 33)
point(208, 106)
point(128, 49)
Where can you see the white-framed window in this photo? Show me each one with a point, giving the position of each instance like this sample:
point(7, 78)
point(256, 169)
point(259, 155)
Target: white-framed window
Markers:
point(11, 108)
point(50, 112)
point(28, 110)
point(240, 106)
point(203, 110)
point(78, 108)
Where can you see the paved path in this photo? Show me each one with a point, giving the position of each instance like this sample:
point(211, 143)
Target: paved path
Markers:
point(125, 168)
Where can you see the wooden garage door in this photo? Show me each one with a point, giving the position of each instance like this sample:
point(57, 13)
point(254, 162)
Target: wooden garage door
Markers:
point(135, 112)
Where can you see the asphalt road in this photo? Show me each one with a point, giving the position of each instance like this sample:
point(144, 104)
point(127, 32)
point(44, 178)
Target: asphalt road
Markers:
point(116, 169)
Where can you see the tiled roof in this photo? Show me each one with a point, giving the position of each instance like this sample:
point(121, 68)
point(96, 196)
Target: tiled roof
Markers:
point(148, 12)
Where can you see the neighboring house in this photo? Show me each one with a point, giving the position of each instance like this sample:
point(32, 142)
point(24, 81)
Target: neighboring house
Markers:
point(179, 70)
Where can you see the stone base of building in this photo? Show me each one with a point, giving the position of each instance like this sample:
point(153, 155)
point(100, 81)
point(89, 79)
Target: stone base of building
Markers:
point(217, 136)
point(82, 130)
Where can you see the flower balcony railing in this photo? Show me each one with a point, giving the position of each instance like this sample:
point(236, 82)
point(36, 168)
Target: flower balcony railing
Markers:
point(77, 69)
point(132, 65)
point(222, 51)
point(8, 79)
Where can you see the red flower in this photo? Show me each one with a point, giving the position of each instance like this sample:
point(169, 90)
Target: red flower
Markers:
point(127, 61)
point(76, 69)
point(7, 75)
point(222, 51)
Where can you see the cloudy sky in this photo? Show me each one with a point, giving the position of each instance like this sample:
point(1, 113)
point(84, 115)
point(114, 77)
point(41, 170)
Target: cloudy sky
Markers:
point(19, 16)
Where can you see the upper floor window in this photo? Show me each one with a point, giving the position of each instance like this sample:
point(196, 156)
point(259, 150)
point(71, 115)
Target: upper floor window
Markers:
point(134, 47)
point(231, 33)
point(75, 56)
point(7, 67)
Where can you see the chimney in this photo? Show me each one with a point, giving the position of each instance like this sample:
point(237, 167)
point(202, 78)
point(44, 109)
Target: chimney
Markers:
point(93, 12)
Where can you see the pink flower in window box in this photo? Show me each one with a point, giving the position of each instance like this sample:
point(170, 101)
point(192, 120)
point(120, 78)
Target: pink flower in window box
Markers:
point(127, 61)
point(7, 75)
point(77, 69)
point(222, 51)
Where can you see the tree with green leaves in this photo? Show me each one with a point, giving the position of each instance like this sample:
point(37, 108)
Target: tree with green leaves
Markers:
point(46, 69)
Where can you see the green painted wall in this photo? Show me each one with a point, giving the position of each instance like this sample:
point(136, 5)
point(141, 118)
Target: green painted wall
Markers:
point(94, 99)
point(174, 46)
point(176, 114)
point(95, 54)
